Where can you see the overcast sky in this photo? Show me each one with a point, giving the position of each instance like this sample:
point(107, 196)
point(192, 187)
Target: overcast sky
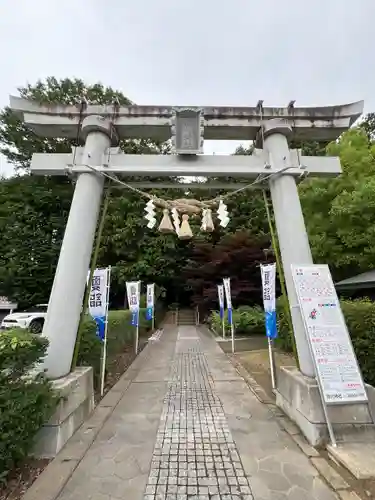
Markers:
point(197, 52)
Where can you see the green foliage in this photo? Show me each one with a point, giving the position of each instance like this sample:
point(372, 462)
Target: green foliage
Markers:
point(120, 334)
point(339, 212)
point(33, 214)
point(360, 320)
point(26, 401)
point(247, 320)
point(20, 351)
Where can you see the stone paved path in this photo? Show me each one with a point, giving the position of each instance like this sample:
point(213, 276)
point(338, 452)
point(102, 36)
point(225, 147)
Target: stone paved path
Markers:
point(183, 425)
point(195, 455)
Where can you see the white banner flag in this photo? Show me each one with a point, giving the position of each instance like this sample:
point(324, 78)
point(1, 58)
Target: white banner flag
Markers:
point(133, 289)
point(98, 293)
point(269, 286)
point(150, 296)
point(226, 283)
point(220, 292)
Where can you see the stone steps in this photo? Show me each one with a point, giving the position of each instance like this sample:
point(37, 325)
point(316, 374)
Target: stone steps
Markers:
point(186, 317)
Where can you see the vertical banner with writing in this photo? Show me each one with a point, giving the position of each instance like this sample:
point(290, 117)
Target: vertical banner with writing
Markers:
point(133, 293)
point(226, 283)
point(220, 292)
point(269, 298)
point(150, 302)
point(98, 300)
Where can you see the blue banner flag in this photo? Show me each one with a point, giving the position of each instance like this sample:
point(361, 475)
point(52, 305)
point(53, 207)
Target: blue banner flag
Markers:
point(100, 326)
point(230, 317)
point(271, 324)
point(149, 313)
point(221, 312)
point(134, 320)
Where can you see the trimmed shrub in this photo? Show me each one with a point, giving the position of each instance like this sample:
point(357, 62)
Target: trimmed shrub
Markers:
point(247, 320)
point(360, 320)
point(120, 334)
point(26, 401)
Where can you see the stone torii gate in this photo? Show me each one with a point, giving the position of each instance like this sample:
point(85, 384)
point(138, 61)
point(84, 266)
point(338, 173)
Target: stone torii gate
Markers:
point(102, 126)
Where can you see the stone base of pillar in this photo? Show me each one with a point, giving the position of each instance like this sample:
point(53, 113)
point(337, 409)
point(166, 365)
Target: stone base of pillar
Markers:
point(77, 393)
point(298, 396)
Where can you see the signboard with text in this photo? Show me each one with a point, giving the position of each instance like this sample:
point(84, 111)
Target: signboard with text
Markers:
point(331, 347)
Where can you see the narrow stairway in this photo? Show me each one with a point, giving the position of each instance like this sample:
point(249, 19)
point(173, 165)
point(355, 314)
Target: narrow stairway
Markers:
point(186, 317)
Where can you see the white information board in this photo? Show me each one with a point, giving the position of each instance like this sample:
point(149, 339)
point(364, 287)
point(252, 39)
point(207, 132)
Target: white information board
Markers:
point(331, 347)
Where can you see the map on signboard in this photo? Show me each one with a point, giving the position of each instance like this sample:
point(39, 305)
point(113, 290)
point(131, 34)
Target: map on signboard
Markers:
point(335, 361)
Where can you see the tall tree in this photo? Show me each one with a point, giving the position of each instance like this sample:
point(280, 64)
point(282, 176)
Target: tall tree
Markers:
point(236, 256)
point(339, 212)
point(34, 210)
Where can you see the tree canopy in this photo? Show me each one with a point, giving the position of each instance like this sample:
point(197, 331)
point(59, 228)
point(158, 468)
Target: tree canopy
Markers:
point(340, 212)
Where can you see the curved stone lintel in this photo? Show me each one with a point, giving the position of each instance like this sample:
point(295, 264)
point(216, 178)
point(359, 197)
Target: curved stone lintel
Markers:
point(353, 110)
point(220, 123)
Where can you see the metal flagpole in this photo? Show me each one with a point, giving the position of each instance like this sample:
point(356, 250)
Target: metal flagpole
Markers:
point(223, 325)
point(137, 328)
point(272, 363)
point(137, 334)
point(232, 329)
point(104, 347)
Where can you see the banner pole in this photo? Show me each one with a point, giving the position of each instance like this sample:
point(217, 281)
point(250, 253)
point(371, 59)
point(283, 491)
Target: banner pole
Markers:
point(153, 320)
point(137, 334)
point(104, 347)
point(136, 340)
point(272, 364)
point(223, 325)
point(232, 330)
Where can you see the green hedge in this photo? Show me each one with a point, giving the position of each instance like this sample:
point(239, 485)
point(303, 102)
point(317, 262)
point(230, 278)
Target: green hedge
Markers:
point(120, 335)
point(247, 320)
point(359, 316)
point(26, 401)
point(360, 320)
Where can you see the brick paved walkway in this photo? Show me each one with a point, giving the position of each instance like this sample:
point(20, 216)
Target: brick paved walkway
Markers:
point(181, 424)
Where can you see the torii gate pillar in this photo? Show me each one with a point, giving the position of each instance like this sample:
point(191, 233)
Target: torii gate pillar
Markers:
point(291, 229)
point(65, 303)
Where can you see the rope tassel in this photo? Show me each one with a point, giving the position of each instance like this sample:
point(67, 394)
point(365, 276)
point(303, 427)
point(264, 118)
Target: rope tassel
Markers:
point(166, 224)
point(185, 232)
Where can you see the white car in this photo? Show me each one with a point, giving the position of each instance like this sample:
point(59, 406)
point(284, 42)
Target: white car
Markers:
point(31, 319)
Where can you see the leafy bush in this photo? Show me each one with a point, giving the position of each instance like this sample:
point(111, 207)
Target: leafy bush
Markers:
point(26, 401)
point(360, 320)
point(120, 335)
point(247, 320)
